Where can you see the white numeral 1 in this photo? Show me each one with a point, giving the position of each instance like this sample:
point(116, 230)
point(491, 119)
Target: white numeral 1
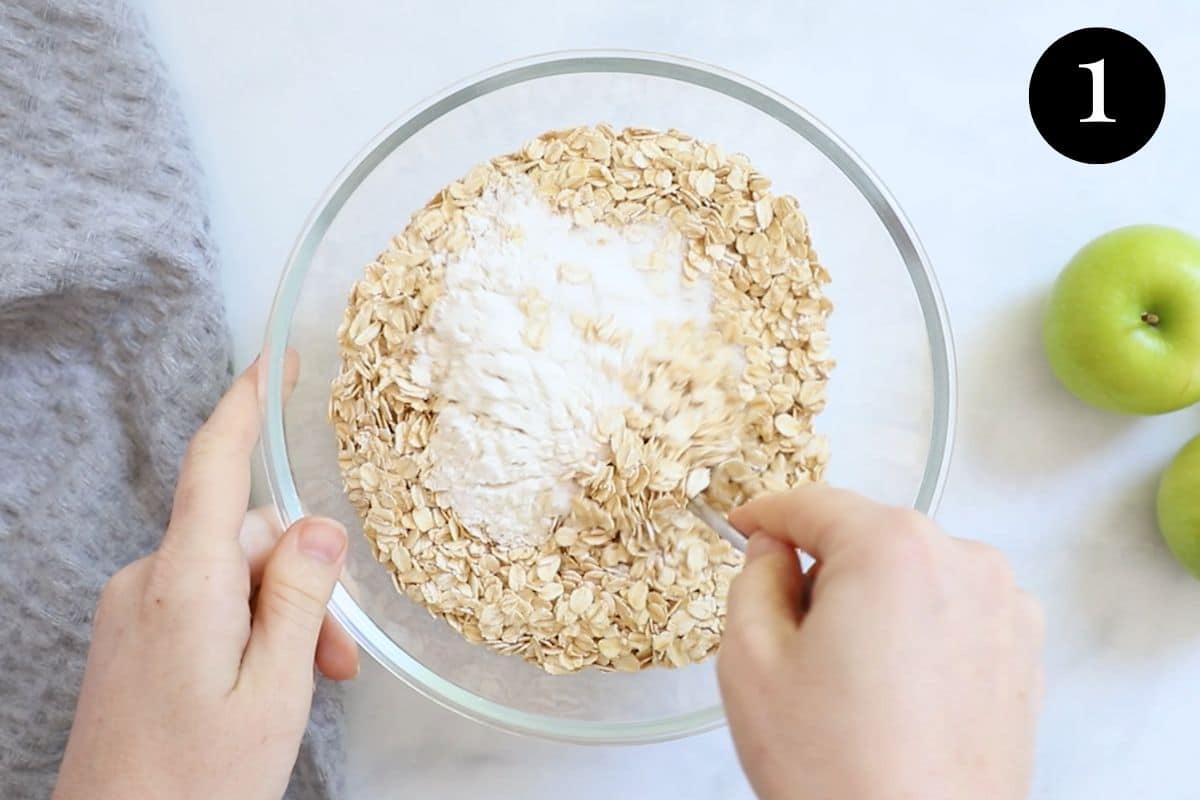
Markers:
point(1097, 70)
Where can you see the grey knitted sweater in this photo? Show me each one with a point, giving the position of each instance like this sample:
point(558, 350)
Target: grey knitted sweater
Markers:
point(112, 350)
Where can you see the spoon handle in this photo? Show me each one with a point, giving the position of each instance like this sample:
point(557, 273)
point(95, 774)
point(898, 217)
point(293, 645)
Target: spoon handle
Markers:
point(717, 522)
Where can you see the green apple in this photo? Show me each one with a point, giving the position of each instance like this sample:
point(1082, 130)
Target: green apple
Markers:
point(1122, 330)
point(1179, 506)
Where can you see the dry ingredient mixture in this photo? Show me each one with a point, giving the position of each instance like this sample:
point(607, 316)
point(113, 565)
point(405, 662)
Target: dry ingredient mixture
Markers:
point(556, 352)
point(521, 388)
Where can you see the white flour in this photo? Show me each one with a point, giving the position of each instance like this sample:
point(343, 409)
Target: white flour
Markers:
point(516, 421)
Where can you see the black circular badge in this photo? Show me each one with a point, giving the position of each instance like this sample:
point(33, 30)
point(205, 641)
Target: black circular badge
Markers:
point(1097, 95)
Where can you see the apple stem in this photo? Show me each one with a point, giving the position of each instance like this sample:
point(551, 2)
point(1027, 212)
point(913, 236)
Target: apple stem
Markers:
point(1150, 318)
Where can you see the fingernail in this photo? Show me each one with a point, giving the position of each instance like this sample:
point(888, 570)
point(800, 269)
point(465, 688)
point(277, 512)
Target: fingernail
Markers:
point(323, 540)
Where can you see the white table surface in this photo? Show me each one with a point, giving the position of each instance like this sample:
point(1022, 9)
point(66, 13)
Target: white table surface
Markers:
point(279, 94)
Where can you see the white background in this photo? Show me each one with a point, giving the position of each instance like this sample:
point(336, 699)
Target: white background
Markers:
point(280, 94)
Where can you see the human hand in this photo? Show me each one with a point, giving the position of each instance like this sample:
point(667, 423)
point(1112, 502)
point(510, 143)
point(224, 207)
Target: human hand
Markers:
point(906, 666)
point(187, 693)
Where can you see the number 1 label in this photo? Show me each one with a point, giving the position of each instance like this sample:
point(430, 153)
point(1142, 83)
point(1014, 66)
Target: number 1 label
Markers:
point(1097, 70)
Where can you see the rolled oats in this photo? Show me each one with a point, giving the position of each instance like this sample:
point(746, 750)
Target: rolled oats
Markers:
point(627, 579)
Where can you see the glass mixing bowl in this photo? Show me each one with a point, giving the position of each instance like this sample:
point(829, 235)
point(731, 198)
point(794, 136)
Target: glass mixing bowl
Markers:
point(890, 413)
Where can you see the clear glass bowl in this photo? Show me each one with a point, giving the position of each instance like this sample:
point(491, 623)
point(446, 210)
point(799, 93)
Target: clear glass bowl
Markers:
point(890, 415)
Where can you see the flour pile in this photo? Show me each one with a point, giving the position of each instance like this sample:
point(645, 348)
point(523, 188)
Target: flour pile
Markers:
point(526, 349)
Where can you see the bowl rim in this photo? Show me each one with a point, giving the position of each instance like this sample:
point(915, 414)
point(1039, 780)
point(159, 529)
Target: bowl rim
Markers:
point(285, 496)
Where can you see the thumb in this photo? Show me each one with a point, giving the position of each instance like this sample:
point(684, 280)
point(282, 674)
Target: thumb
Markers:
point(297, 581)
point(765, 599)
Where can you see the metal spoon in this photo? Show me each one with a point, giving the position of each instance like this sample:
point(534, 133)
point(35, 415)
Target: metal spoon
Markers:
point(720, 526)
